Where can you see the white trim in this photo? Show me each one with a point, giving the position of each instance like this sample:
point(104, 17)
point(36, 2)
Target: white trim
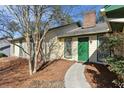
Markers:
point(102, 10)
point(121, 20)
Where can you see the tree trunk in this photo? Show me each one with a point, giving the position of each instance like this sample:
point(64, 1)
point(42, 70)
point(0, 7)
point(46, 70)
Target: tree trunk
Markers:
point(30, 66)
point(35, 63)
point(30, 55)
point(36, 51)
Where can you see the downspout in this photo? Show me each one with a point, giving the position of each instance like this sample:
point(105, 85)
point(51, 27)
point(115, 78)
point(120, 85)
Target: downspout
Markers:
point(106, 19)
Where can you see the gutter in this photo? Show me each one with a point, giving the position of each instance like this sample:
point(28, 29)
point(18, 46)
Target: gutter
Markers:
point(92, 33)
point(119, 20)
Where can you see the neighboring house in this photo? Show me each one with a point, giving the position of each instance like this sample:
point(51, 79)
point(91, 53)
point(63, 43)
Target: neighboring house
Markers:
point(15, 50)
point(114, 16)
point(4, 46)
point(73, 41)
point(81, 44)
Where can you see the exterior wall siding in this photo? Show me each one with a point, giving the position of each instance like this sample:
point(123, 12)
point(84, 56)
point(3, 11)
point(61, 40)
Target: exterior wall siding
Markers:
point(15, 50)
point(62, 48)
point(93, 48)
point(75, 48)
point(16, 53)
point(11, 50)
point(54, 48)
point(24, 45)
point(57, 51)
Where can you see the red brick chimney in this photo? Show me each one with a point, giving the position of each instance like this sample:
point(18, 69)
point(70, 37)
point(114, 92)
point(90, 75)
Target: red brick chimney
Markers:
point(89, 19)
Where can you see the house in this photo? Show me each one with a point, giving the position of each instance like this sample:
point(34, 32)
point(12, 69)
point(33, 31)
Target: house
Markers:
point(114, 16)
point(81, 43)
point(73, 41)
point(16, 50)
point(4, 46)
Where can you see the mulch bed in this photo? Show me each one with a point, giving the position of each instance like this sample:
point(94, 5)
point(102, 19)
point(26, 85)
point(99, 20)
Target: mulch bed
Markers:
point(51, 76)
point(15, 74)
point(13, 70)
point(99, 76)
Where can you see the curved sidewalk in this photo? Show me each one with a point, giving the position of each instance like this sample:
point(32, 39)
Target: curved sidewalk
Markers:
point(74, 77)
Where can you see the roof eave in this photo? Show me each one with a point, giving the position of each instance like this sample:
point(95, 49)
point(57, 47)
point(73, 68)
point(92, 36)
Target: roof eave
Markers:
point(93, 33)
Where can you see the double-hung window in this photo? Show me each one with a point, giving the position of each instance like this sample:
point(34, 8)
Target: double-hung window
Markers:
point(68, 48)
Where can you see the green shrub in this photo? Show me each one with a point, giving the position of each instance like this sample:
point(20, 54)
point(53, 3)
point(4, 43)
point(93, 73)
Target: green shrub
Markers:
point(115, 43)
point(116, 64)
point(2, 55)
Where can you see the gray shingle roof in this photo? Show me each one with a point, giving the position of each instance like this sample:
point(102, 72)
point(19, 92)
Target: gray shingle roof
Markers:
point(99, 28)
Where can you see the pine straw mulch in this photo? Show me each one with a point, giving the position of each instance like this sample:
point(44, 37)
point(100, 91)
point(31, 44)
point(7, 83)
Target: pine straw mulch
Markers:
point(14, 73)
point(13, 70)
point(99, 76)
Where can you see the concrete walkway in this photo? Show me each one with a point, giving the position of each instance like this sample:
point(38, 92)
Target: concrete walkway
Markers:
point(75, 78)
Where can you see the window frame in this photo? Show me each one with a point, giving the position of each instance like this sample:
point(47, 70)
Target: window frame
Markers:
point(68, 45)
point(105, 53)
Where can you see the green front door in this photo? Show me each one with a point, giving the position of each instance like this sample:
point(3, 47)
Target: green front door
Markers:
point(83, 49)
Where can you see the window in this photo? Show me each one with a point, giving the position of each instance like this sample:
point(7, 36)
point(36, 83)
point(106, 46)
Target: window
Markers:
point(68, 48)
point(102, 51)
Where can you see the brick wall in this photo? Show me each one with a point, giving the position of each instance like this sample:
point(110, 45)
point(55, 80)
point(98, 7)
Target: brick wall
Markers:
point(89, 19)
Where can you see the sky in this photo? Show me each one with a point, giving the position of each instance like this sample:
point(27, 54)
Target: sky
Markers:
point(85, 8)
point(78, 10)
